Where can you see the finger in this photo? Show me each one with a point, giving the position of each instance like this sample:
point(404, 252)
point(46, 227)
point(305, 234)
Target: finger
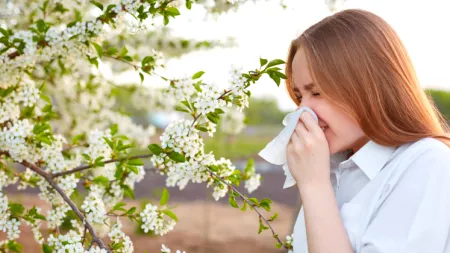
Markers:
point(310, 122)
point(301, 131)
point(295, 138)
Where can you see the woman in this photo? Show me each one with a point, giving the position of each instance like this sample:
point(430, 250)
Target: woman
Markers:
point(386, 186)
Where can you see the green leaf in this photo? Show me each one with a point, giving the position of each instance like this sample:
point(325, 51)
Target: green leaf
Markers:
point(147, 59)
point(134, 169)
point(109, 142)
point(181, 109)
point(102, 180)
point(124, 51)
point(119, 173)
point(112, 51)
point(250, 168)
point(219, 111)
point(261, 227)
point(127, 58)
point(42, 26)
point(45, 98)
point(197, 87)
point(164, 197)
point(142, 77)
point(99, 5)
point(99, 49)
point(170, 214)
point(177, 157)
point(214, 118)
point(278, 245)
point(60, 8)
point(262, 61)
point(274, 217)
point(166, 20)
point(86, 157)
point(187, 104)
point(198, 74)
point(274, 63)
point(46, 248)
point(188, 4)
point(232, 201)
point(265, 203)
point(201, 128)
point(254, 200)
point(155, 149)
point(16, 209)
point(119, 206)
point(244, 207)
point(136, 162)
point(128, 191)
point(44, 139)
point(172, 11)
point(114, 128)
point(131, 210)
point(275, 77)
point(14, 246)
point(4, 32)
point(93, 60)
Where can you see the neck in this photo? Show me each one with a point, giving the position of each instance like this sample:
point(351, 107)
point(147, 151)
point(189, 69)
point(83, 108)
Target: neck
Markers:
point(359, 144)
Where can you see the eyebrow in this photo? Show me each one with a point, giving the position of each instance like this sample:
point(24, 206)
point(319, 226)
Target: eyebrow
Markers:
point(308, 86)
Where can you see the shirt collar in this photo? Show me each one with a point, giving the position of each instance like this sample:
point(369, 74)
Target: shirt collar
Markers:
point(370, 158)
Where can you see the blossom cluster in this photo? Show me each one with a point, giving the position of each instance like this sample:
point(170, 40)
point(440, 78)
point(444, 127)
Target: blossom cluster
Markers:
point(93, 205)
point(164, 249)
point(181, 89)
point(154, 220)
point(118, 237)
point(182, 137)
point(238, 87)
point(8, 224)
point(70, 242)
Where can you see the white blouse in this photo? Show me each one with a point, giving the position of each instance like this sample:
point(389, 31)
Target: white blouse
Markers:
point(391, 200)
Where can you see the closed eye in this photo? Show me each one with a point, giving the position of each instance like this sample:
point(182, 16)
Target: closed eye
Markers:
point(316, 94)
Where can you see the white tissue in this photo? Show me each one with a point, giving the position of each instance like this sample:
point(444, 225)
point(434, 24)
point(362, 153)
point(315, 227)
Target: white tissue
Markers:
point(275, 151)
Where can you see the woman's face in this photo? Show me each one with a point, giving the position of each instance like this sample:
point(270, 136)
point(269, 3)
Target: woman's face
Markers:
point(341, 131)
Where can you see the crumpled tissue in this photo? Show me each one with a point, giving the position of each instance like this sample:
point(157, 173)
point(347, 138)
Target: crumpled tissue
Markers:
point(275, 151)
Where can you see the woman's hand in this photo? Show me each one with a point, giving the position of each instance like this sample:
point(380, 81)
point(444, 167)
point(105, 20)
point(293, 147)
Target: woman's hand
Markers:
point(308, 154)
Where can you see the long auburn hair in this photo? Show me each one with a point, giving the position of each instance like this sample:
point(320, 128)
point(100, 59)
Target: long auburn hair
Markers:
point(358, 62)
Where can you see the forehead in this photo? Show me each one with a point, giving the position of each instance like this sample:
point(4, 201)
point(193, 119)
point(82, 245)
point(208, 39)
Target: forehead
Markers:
point(300, 70)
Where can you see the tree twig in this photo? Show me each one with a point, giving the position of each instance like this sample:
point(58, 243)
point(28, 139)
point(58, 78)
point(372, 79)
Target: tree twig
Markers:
point(55, 186)
point(244, 198)
point(85, 167)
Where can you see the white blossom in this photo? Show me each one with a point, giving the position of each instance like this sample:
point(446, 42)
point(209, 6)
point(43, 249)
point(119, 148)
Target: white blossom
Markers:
point(6, 180)
point(238, 87)
point(56, 215)
point(182, 89)
point(117, 236)
point(93, 205)
point(164, 249)
point(253, 183)
point(154, 220)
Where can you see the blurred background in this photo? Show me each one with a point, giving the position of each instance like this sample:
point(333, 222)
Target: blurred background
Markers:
point(239, 36)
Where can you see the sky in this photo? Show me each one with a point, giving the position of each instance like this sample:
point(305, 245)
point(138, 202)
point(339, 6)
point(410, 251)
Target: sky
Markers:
point(265, 30)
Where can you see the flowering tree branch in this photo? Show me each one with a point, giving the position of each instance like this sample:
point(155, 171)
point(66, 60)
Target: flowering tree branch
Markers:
point(252, 204)
point(86, 167)
point(72, 205)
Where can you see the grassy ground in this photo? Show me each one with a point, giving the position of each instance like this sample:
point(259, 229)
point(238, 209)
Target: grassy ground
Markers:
point(244, 145)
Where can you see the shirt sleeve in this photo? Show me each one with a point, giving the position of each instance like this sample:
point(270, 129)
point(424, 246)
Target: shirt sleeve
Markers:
point(415, 216)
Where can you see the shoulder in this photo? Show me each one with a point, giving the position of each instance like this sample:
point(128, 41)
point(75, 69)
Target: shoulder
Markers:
point(427, 148)
point(425, 158)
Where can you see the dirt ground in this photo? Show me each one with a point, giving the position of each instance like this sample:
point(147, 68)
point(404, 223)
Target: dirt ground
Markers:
point(204, 226)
